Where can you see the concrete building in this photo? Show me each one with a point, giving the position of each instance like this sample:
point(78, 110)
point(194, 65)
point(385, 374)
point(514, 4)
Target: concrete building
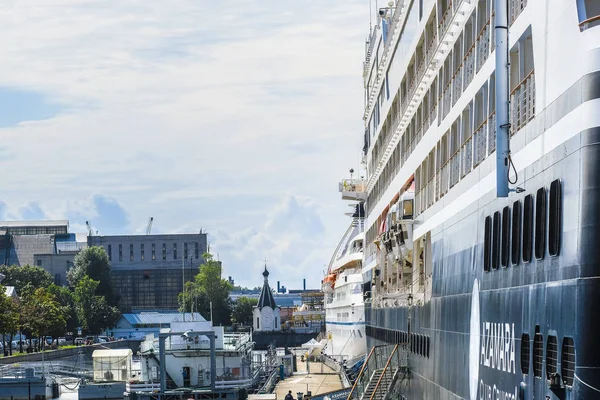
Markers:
point(47, 244)
point(149, 270)
point(266, 314)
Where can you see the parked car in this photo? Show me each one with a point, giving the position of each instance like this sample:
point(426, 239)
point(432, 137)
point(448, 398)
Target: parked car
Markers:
point(79, 341)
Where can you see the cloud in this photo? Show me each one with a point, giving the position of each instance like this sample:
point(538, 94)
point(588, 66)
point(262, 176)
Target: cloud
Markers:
point(32, 211)
point(238, 117)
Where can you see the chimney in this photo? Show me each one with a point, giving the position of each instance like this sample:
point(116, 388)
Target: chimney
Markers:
point(278, 287)
point(304, 283)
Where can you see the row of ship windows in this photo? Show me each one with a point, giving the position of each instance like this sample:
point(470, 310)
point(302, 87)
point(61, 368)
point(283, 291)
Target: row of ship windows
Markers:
point(164, 252)
point(418, 344)
point(528, 233)
point(567, 357)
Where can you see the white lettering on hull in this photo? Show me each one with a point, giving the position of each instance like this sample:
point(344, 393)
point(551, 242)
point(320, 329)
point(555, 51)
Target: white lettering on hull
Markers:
point(498, 346)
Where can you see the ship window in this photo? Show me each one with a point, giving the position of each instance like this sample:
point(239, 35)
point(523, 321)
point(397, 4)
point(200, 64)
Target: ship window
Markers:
point(527, 227)
point(587, 10)
point(174, 251)
point(554, 220)
point(525, 349)
point(516, 233)
point(540, 223)
point(407, 209)
point(505, 236)
point(567, 361)
point(427, 346)
point(496, 240)
point(551, 356)
point(538, 354)
point(487, 244)
point(153, 251)
point(164, 251)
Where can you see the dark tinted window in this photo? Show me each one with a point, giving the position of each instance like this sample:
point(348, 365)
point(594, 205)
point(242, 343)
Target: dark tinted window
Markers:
point(505, 236)
point(538, 354)
point(527, 227)
point(487, 243)
point(496, 240)
point(525, 349)
point(567, 361)
point(540, 223)
point(516, 233)
point(551, 356)
point(555, 218)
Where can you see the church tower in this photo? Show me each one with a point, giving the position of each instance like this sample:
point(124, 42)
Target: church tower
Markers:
point(266, 313)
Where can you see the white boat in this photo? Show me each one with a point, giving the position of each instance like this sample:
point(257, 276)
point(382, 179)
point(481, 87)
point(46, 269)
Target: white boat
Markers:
point(343, 290)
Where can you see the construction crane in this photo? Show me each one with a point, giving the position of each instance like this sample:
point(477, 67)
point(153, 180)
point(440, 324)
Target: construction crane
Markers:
point(89, 228)
point(149, 228)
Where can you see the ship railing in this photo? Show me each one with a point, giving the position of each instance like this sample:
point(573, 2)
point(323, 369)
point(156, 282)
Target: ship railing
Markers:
point(444, 23)
point(483, 45)
point(480, 142)
point(369, 52)
point(431, 46)
point(385, 378)
point(438, 177)
point(393, 24)
point(522, 103)
point(431, 191)
point(360, 382)
point(492, 133)
point(457, 83)
point(447, 99)
point(455, 168)
point(352, 185)
point(469, 65)
point(444, 180)
point(589, 23)
point(516, 7)
point(467, 155)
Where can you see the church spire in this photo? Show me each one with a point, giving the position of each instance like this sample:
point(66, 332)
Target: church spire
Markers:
point(266, 296)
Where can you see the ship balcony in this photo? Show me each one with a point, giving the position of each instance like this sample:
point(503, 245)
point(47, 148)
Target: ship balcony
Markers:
point(353, 189)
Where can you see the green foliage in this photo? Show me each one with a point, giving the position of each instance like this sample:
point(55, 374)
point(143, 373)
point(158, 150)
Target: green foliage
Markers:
point(242, 310)
point(93, 311)
point(93, 262)
point(9, 313)
point(65, 298)
point(20, 277)
point(42, 314)
point(207, 287)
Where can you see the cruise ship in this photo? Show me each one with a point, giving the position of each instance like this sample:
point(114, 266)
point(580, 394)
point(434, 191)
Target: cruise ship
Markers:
point(482, 154)
point(343, 291)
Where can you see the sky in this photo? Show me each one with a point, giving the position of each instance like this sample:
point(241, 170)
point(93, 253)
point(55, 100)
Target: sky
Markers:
point(237, 117)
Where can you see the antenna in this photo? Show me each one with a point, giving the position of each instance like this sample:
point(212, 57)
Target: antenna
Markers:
point(149, 228)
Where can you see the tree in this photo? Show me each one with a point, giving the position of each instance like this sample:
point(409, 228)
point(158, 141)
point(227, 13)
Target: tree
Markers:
point(9, 317)
point(206, 288)
point(65, 298)
point(42, 315)
point(93, 262)
point(93, 311)
point(19, 277)
point(242, 310)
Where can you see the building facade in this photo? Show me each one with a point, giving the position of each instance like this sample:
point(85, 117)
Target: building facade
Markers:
point(149, 271)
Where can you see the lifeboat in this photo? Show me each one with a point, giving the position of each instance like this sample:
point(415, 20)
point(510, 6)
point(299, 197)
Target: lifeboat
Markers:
point(329, 283)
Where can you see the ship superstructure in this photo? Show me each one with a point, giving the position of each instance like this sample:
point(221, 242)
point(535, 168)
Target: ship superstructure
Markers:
point(343, 285)
point(491, 294)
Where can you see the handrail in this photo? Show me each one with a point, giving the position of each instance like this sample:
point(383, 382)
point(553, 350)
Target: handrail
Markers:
point(587, 21)
point(488, 22)
point(361, 373)
point(384, 370)
point(522, 82)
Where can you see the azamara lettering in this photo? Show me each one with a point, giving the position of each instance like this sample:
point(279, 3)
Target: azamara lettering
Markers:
point(498, 346)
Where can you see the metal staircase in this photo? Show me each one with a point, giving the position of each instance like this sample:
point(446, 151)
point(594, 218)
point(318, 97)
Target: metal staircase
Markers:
point(380, 372)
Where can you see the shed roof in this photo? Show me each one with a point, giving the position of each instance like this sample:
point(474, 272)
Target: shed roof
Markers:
point(121, 353)
point(156, 318)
